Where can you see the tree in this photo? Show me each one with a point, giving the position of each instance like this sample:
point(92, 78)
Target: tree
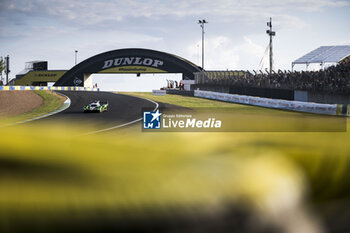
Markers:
point(2, 68)
point(2, 65)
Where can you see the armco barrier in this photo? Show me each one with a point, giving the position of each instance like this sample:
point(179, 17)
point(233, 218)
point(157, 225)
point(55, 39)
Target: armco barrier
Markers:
point(23, 88)
point(178, 92)
point(329, 109)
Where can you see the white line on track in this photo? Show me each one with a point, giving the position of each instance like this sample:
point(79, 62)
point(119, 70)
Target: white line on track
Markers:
point(125, 124)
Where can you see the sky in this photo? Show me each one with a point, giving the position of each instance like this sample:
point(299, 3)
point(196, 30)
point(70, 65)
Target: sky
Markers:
point(235, 37)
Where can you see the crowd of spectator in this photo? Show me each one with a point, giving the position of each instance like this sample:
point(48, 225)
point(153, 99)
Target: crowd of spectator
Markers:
point(171, 84)
point(334, 79)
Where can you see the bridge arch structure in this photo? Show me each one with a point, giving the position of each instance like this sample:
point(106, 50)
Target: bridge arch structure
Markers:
point(127, 61)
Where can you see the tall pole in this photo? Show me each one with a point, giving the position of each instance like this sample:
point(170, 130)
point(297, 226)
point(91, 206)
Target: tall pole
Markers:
point(2, 64)
point(271, 34)
point(202, 22)
point(202, 45)
point(7, 69)
point(271, 55)
point(76, 56)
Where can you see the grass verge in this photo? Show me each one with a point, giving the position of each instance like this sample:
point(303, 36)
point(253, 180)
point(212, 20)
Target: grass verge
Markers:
point(51, 102)
point(194, 102)
point(247, 118)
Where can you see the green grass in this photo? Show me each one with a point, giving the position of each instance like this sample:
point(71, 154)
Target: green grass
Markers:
point(183, 101)
point(247, 118)
point(51, 102)
point(194, 102)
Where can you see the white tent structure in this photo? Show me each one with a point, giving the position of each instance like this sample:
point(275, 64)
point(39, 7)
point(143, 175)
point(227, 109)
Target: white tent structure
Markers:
point(324, 55)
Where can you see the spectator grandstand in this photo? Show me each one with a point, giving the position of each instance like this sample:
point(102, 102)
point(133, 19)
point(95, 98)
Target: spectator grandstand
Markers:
point(334, 79)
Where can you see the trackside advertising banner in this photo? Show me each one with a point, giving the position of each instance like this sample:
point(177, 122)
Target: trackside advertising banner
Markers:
point(128, 61)
point(32, 88)
point(328, 109)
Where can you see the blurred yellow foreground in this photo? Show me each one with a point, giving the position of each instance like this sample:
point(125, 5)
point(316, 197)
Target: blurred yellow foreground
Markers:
point(279, 179)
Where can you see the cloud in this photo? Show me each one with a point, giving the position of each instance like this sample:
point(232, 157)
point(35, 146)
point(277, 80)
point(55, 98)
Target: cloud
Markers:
point(223, 53)
point(92, 11)
point(106, 15)
point(53, 29)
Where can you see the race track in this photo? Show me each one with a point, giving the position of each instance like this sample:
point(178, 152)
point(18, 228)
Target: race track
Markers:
point(122, 110)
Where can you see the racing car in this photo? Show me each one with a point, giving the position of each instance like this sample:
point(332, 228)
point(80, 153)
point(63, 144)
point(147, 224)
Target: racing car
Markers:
point(96, 106)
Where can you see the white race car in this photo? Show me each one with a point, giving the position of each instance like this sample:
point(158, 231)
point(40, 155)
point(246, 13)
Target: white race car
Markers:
point(96, 106)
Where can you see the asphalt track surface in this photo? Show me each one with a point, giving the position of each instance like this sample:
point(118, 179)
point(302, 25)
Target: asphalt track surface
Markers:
point(123, 110)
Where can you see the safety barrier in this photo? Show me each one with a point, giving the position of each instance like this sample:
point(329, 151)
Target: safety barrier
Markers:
point(33, 88)
point(329, 109)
